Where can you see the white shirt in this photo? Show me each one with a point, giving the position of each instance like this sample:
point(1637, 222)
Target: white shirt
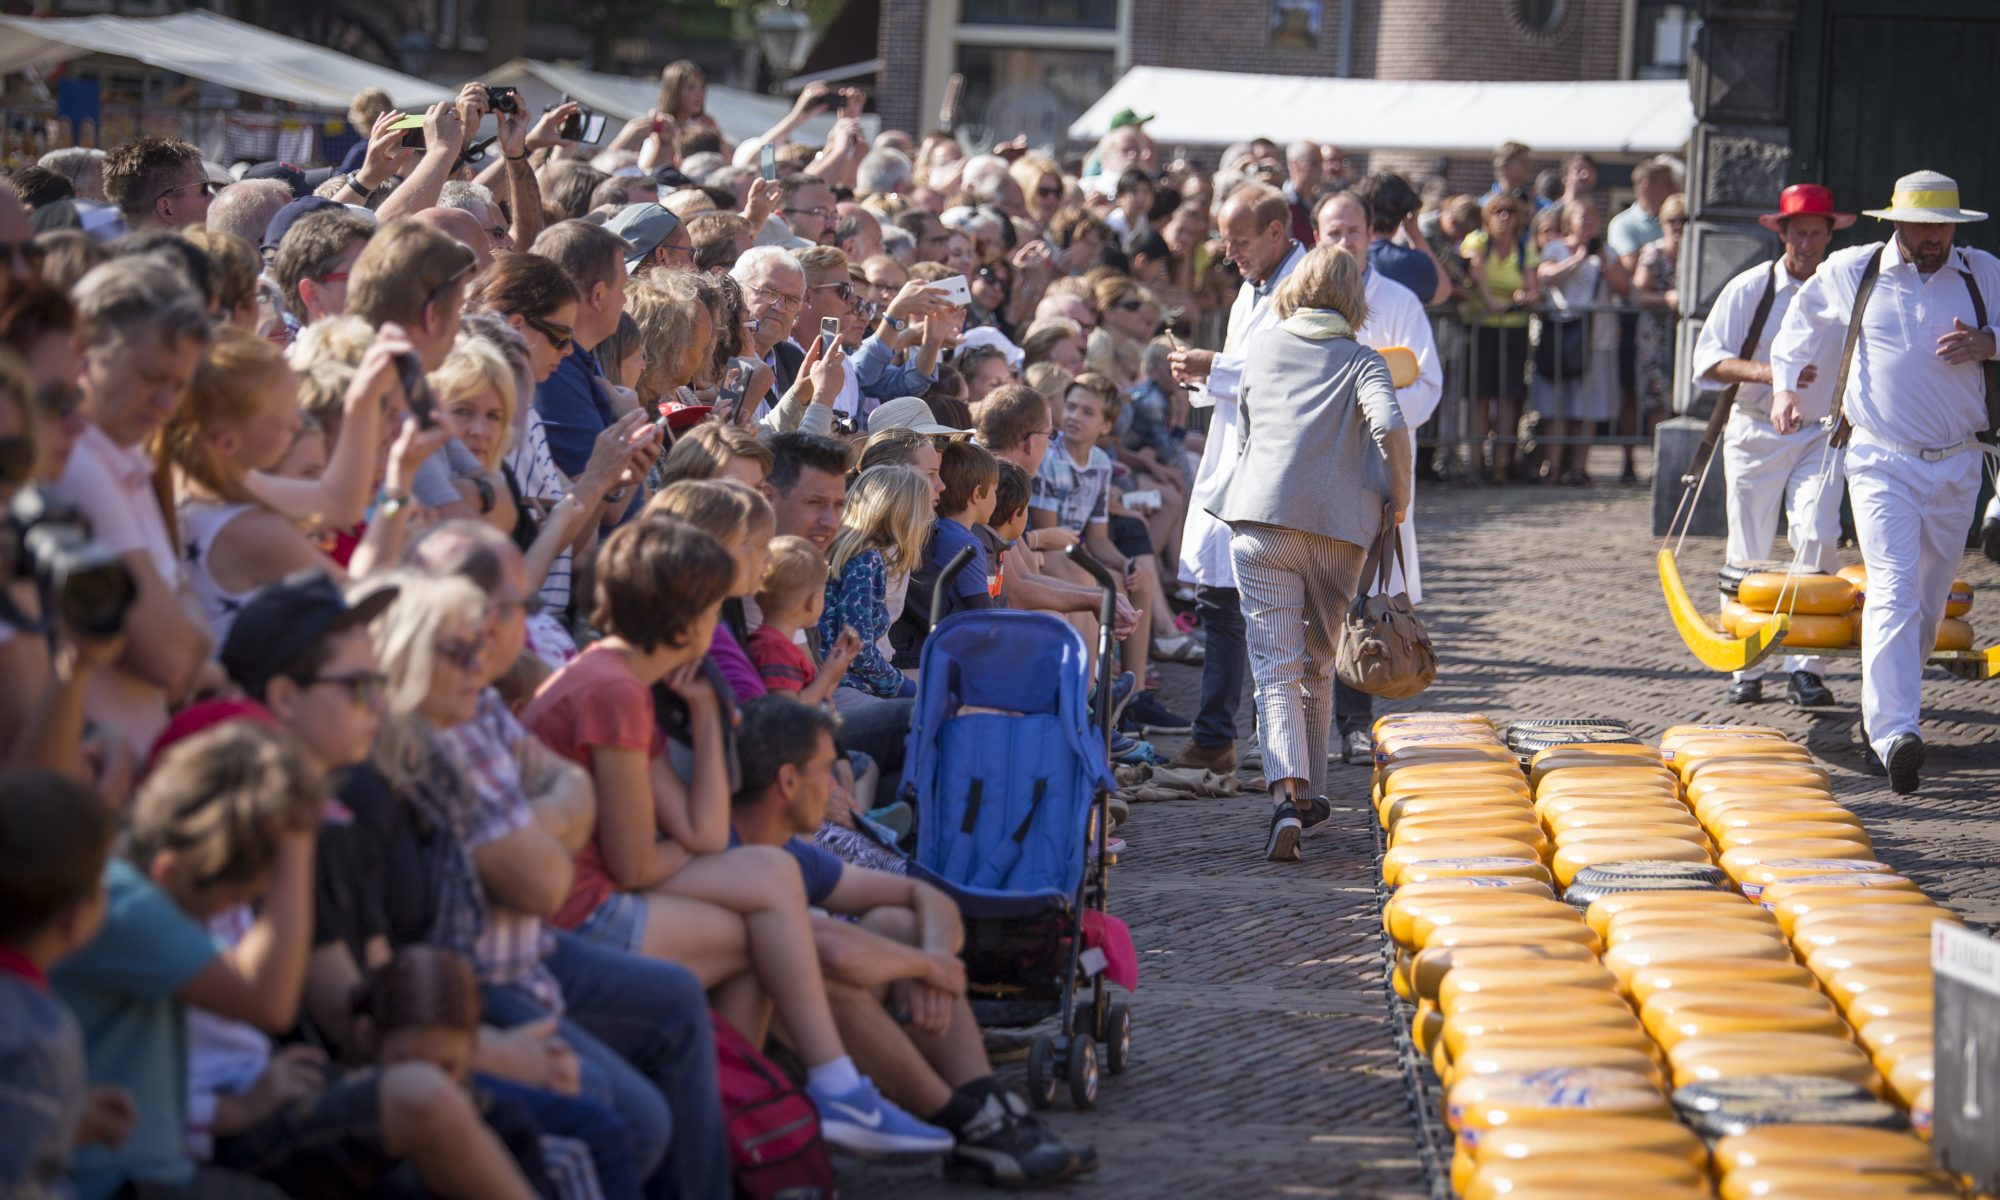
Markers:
point(113, 486)
point(1396, 318)
point(1204, 539)
point(1898, 389)
point(1729, 322)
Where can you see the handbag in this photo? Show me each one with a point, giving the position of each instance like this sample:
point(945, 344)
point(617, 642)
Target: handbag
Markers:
point(1559, 352)
point(1384, 649)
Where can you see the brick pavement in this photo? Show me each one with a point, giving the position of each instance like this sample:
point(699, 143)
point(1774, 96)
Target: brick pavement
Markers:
point(1264, 1056)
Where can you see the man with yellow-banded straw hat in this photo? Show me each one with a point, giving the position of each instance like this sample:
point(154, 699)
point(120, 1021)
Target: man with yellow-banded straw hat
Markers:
point(1767, 472)
point(1914, 319)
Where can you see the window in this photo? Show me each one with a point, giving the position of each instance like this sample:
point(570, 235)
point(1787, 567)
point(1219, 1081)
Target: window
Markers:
point(1071, 14)
point(1010, 90)
point(1663, 38)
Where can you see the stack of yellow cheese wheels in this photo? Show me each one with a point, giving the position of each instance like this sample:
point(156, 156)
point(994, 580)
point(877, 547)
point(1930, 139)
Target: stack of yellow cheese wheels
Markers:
point(1827, 1162)
point(1605, 803)
point(1821, 608)
point(1453, 802)
point(1954, 632)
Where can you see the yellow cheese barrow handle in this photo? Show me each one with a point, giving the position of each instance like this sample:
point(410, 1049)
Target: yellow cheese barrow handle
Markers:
point(1716, 651)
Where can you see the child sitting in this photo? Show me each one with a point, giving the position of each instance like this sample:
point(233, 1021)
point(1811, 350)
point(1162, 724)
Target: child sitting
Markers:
point(55, 835)
point(1004, 528)
point(971, 475)
point(888, 516)
point(792, 597)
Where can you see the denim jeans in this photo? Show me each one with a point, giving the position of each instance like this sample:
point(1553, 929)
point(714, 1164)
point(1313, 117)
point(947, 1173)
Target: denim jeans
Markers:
point(1352, 709)
point(1225, 661)
point(640, 1028)
point(580, 1119)
point(880, 729)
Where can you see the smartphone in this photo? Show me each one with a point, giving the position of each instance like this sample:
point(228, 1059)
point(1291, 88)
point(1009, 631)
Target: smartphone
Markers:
point(730, 398)
point(413, 127)
point(955, 289)
point(954, 89)
point(767, 162)
point(829, 334)
point(416, 389)
point(1148, 500)
point(584, 127)
point(503, 99)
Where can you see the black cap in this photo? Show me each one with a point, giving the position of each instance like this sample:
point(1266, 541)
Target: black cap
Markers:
point(283, 220)
point(285, 173)
point(279, 624)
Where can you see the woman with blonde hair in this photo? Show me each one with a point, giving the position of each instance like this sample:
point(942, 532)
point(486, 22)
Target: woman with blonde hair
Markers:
point(888, 516)
point(712, 450)
point(1325, 447)
point(676, 330)
point(1042, 186)
point(476, 399)
point(1503, 284)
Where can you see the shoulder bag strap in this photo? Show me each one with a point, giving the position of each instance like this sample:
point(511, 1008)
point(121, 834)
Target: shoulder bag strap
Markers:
point(1727, 400)
point(1375, 567)
point(1837, 420)
point(1992, 432)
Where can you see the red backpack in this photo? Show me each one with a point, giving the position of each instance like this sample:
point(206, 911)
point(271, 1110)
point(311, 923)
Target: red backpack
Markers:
point(775, 1151)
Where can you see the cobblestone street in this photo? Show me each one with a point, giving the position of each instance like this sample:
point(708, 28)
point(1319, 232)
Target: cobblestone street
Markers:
point(1264, 1056)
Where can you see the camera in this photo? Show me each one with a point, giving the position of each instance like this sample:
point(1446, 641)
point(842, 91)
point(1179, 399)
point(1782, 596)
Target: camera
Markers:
point(503, 99)
point(83, 582)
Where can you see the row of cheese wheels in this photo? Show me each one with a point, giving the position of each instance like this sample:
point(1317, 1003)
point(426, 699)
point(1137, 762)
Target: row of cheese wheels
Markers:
point(1826, 609)
point(1527, 1026)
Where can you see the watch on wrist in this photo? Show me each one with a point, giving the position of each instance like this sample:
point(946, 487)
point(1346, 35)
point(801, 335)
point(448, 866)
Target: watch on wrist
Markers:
point(895, 323)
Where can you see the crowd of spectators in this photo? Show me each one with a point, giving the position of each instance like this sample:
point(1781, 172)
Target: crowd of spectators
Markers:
point(463, 611)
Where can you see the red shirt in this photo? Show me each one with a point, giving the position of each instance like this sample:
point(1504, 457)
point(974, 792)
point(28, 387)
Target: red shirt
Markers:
point(594, 701)
point(783, 664)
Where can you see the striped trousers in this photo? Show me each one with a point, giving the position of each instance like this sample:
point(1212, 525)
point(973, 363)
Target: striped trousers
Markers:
point(1295, 588)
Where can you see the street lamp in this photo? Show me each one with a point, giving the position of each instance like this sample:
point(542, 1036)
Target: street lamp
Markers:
point(785, 34)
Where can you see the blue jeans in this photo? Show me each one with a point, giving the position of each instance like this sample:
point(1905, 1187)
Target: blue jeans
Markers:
point(640, 1028)
point(1352, 709)
point(580, 1119)
point(1225, 660)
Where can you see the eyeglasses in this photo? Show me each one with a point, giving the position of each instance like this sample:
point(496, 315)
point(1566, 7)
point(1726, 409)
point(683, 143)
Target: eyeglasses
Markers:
point(25, 254)
point(685, 250)
point(560, 336)
point(824, 214)
point(1040, 433)
point(843, 289)
point(208, 188)
point(362, 687)
point(785, 299)
point(17, 459)
point(445, 283)
point(463, 655)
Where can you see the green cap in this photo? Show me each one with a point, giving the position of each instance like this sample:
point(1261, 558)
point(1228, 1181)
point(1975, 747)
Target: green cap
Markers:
point(1126, 116)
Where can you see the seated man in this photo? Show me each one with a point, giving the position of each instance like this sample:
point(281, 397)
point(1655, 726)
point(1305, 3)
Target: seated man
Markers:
point(899, 954)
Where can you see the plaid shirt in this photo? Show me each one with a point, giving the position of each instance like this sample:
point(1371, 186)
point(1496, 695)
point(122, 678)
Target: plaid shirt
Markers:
point(1079, 496)
point(490, 752)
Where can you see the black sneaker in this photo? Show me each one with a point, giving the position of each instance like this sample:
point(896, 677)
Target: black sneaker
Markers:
point(1807, 690)
point(1747, 691)
point(1001, 1149)
point(1282, 845)
point(1989, 538)
point(1145, 714)
point(1314, 814)
point(1904, 760)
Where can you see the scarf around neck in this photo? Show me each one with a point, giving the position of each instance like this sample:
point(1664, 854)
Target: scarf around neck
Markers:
point(1319, 324)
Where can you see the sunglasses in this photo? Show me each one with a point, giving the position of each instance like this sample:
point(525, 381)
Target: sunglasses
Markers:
point(1131, 305)
point(843, 290)
point(1049, 190)
point(560, 336)
point(444, 284)
point(17, 459)
point(208, 188)
point(463, 655)
point(362, 687)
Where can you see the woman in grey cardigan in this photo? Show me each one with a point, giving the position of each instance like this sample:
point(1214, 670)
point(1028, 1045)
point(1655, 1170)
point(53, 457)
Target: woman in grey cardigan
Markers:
point(1324, 444)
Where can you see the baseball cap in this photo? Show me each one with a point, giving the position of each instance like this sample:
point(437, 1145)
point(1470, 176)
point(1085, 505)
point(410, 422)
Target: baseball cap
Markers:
point(288, 216)
point(909, 412)
point(644, 227)
point(1126, 116)
point(279, 624)
point(285, 172)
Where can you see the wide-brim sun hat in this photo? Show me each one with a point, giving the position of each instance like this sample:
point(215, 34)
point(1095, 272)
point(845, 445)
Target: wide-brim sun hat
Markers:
point(1926, 198)
point(1805, 200)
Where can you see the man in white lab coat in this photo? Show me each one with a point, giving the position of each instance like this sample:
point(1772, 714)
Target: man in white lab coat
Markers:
point(1255, 223)
point(1395, 318)
point(1915, 397)
point(1767, 472)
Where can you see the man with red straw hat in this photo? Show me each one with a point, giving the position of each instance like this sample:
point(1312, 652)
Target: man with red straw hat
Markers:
point(1768, 472)
point(1914, 319)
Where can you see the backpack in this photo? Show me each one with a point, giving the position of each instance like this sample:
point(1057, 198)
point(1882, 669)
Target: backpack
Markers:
point(775, 1151)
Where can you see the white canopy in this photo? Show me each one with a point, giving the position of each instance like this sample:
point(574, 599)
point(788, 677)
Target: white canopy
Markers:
point(1219, 107)
point(739, 114)
point(217, 50)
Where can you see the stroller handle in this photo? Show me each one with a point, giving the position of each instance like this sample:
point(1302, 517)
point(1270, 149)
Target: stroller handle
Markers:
point(1106, 586)
point(941, 592)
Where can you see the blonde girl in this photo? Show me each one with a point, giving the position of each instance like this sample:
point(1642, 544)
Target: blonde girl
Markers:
point(889, 514)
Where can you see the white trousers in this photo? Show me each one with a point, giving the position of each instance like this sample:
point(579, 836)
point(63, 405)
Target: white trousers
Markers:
point(1767, 473)
point(1911, 516)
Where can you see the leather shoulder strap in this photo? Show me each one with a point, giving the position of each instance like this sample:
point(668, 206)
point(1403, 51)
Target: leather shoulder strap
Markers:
point(1836, 419)
point(1986, 369)
point(1727, 400)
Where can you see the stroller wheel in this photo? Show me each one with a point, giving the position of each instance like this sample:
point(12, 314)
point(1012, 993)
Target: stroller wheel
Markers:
point(1118, 1040)
point(1042, 1072)
point(1082, 1072)
point(1083, 1023)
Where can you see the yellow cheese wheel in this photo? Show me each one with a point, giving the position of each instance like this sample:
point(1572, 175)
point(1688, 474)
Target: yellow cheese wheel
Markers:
point(1489, 1058)
point(1561, 995)
point(1613, 1170)
point(1884, 1034)
point(1630, 955)
point(1803, 632)
point(1457, 868)
point(1785, 831)
point(1569, 859)
point(1886, 952)
point(1552, 974)
point(1600, 816)
point(1795, 904)
point(1717, 746)
point(1793, 784)
point(1845, 985)
point(1514, 932)
point(1910, 1076)
point(1954, 634)
point(1633, 1039)
point(1723, 1016)
point(1738, 861)
point(1737, 1057)
point(1782, 1182)
point(1461, 1030)
point(1425, 1026)
point(1866, 928)
point(1784, 765)
point(1588, 1133)
point(1649, 981)
point(1467, 761)
point(1777, 591)
point(1465, 848)
point(1618, 936)
point(1750, 815)
point(1856, 574)
point(1958, 601)
point(1428, 968)
point(1604, 908)
point(1595, 833)
point(1628, 920)
point(1640, 776)
point(1588, 754)
point(1881, 1003)
point(1489, 810)
point(1524, 832)
point(1477, 1103)
point(1855, 1147)
point(1863, 915)
point(1663, 1004)
point(1548, 808)
point(1476, 885)
point(1427, 919)
point(1411, 720)
point(1760, 878)
point(1403, 908)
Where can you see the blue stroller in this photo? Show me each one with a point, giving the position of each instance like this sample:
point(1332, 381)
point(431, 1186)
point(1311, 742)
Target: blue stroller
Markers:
point(1011, 780)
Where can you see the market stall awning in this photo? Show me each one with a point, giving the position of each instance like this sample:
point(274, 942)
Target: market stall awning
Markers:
point(1219, 107)
point(739, 114)
point(217, 50)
